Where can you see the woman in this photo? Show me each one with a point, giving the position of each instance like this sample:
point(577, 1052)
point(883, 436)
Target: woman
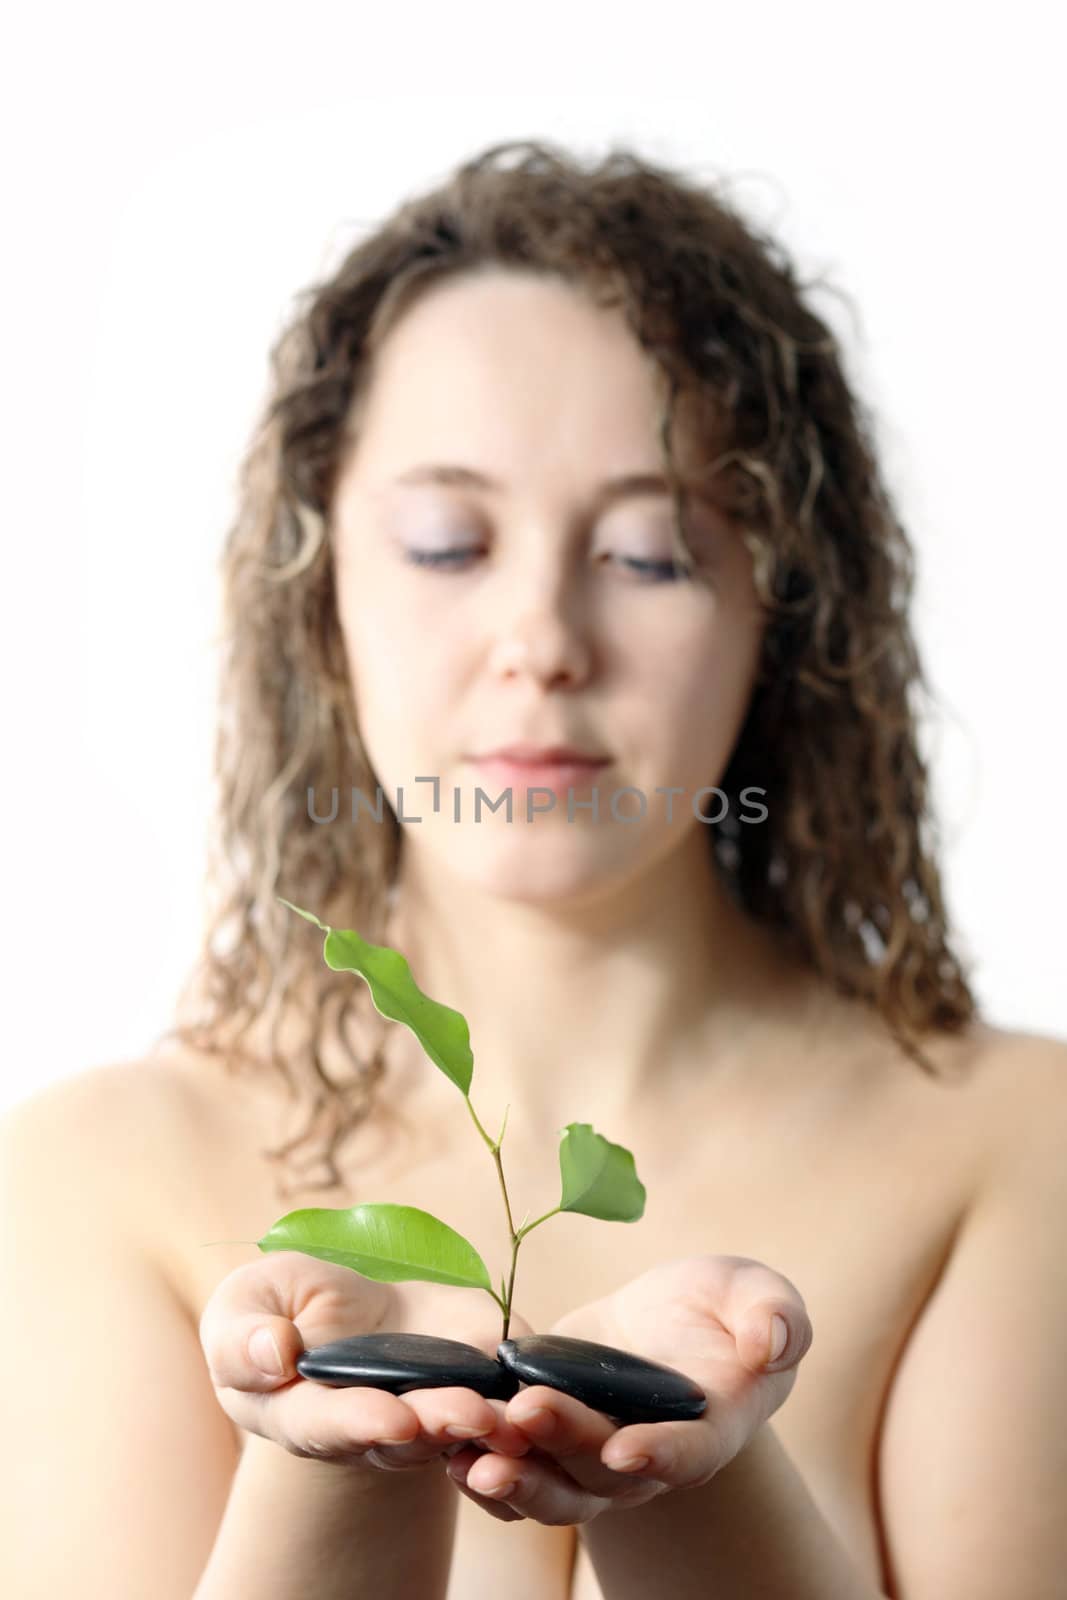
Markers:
point(560, 459)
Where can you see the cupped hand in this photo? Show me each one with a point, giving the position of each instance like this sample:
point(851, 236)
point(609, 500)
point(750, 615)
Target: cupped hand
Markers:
point(297, 1302)
point(708, 1316)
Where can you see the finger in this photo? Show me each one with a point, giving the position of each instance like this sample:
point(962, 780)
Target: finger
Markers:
point(681, 1455)
point(255, 1352)
point(248, 1328)
point(457, 1468)
point(302, 1416)
point(448, 1415)
point(572, 1434)
point(741, 1295)
point(538, 1490)
point(314, 1419)
point(774, 1337)
point(506, 1439)
point(757, 1295)
point(542, 1491)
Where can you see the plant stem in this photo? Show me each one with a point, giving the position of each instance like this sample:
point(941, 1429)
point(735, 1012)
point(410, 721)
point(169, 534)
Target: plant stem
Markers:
point(516, 1237)
point(478, 1125)
point(530, 1226)
point(499, 1301)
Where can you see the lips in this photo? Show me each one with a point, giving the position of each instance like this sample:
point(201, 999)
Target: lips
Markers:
point(556, 774)
point(544, 755)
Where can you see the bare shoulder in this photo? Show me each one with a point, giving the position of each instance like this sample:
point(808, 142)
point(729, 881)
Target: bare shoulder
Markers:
point(118, 1130)
point(131, 1097)
point(1012, 1096)
point(988, 1097)
point(987, 1083)
point(1019, 1090)
point(1036, 1060)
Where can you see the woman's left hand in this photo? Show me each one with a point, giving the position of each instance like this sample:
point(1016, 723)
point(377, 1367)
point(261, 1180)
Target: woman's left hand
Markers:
point(709, 1317)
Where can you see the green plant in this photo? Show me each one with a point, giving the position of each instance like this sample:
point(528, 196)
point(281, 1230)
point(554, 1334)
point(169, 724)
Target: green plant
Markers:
point(391, 1243)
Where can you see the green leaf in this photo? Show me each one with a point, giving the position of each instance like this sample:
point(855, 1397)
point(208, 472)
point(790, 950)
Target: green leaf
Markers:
point(386, 1242)
point(599, 1178)
point(442, 1032)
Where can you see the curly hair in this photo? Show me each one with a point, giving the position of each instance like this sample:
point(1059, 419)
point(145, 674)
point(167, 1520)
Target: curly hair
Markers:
point(845, 865)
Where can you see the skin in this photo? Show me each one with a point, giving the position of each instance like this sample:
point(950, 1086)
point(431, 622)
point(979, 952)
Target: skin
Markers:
point(624, 942)
point(628, 946)
point(542, 1454)
point(301, 1303)
point(709, 1316)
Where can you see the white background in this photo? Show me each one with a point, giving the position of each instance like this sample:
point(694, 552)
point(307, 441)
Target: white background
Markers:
point(171, 182)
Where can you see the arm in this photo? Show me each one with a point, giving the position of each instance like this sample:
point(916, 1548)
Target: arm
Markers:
point(972, 1463)
point(294, 1528)
point(708, 1506)
point(973, 1460)
point(125, 1477)
point(753, 1529)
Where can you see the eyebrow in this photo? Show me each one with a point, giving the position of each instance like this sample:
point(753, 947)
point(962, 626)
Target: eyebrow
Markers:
point(607, 493)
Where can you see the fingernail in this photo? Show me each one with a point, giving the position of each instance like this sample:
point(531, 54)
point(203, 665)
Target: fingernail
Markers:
point(501, 1490)
point(263, 1348)
point(541, 1418)
point(779, 1337)
point(457, 1432)
point(632, 1464)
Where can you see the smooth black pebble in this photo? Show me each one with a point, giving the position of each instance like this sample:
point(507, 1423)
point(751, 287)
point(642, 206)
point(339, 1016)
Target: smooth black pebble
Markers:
point(402, 1361)
point(625, 1387)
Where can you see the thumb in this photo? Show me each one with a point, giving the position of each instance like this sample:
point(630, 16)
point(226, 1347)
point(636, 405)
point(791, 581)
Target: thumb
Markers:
point(270, 1348)
point(258, 1354)
point(776, 1336)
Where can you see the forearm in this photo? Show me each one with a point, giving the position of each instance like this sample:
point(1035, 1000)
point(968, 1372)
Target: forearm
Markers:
point(754, 1529)
point(295, 1527)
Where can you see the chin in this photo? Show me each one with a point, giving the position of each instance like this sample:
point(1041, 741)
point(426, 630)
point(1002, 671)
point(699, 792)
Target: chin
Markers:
point(543, 873)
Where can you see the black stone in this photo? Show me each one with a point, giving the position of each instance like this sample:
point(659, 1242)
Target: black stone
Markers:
point(625, 1387)
point(402, 1361)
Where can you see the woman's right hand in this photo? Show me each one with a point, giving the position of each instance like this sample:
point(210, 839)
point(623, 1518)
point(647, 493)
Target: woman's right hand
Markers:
point(304, 1302)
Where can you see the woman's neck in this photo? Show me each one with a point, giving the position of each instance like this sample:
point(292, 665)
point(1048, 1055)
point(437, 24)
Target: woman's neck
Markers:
point(599, 1007)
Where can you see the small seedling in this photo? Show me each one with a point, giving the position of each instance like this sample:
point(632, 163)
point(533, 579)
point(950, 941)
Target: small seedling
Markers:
point(392, 1243)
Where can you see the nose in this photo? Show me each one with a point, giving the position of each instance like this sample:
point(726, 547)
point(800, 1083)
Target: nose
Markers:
point(541, 635)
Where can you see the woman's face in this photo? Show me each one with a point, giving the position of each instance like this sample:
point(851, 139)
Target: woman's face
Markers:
point(550, 617)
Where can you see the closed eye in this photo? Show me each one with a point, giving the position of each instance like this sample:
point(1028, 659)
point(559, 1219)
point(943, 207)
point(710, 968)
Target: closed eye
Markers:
point(451, 560)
